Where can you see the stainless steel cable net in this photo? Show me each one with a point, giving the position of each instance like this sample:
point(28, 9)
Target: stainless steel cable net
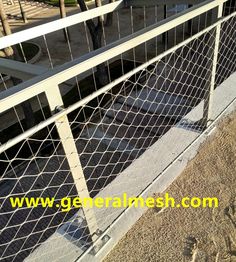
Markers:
point(110, 132)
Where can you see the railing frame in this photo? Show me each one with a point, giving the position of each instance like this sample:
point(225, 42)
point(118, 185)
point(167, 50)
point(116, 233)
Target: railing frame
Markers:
point(48, 82)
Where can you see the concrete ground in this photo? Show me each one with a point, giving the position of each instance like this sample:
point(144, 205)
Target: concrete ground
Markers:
point(162, 236)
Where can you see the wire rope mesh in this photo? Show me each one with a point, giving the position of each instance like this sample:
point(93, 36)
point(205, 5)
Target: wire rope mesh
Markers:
point(110, 133)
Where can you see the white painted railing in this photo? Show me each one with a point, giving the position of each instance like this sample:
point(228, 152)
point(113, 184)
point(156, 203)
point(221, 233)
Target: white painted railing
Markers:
point(90, 155)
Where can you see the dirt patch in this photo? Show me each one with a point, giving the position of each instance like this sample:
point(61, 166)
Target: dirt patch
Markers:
point(210, 233)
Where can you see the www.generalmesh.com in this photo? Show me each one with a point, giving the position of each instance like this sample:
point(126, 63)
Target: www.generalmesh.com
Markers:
point(66, 203)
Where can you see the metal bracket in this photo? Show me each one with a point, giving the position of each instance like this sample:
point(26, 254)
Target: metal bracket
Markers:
point(195, 126)
point(74, 231)
point(100, 243)
point(59, 109)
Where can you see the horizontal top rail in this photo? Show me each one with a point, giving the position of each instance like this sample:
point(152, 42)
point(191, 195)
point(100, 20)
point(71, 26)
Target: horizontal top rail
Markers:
point(40, 84)
point(103, 90)
point(58, 24)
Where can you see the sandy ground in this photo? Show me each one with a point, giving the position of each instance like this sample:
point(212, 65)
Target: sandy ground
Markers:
point(163, 236)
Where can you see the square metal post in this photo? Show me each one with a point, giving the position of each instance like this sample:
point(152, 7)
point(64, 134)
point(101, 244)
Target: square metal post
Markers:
point(207, 110)
point(69, 146)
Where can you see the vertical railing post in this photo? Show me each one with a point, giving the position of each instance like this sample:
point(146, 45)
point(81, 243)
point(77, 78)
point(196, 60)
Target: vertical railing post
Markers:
point(207, 110)
point(66, 137)
point(23, 14)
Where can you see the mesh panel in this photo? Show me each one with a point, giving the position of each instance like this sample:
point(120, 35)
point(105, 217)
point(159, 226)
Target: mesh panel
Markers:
point(110, 133)
point(226, 57)
point(142, 110)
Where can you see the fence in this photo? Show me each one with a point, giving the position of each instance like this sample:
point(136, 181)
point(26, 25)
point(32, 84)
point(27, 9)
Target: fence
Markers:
point(94, 142)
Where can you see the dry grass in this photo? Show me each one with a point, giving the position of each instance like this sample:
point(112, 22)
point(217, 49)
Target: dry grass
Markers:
point(163, 236)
